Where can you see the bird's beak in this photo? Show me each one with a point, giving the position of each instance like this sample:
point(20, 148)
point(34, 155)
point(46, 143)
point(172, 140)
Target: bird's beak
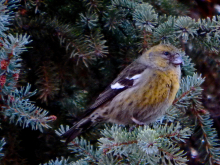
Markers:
point(177, 60)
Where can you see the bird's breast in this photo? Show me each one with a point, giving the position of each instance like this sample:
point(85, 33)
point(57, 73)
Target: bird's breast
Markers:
point(145, 102)
point(159, 88)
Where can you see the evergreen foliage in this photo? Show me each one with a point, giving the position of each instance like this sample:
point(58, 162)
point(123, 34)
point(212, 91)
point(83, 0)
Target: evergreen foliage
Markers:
point(17, 106)
point(62, 161)
point(23, 112)
point(70, 62)
point(2, 143)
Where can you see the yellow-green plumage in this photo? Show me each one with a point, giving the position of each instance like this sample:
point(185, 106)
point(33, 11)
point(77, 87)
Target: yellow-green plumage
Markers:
point(140, 94)
point(154, 94)
point(149, 100)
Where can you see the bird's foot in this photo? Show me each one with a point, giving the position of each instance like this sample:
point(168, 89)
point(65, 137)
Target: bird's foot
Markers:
point(137, 122)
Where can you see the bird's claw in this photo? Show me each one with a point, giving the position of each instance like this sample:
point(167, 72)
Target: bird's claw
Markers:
point(137, 122)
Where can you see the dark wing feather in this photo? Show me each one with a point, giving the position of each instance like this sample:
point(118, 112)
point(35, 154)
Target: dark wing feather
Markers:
point(123, 79)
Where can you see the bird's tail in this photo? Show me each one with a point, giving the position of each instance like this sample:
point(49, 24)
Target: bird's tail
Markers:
point(77, 129)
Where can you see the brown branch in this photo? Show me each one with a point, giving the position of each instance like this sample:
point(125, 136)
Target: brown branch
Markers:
point(171, 156)
point(118, 144)
point(197, 114)
point(86, 152)
point(124, 143)
point(183, 95)
point(171, 135)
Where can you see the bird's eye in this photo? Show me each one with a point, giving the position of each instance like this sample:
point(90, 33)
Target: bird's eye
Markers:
point(166, 53)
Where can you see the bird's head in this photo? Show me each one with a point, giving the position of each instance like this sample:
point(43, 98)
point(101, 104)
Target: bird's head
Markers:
point(163, 56)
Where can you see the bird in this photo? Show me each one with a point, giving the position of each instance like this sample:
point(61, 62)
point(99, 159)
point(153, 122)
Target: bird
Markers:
point(140, 94)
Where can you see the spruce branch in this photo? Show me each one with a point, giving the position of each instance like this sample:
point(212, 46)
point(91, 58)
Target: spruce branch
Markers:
point(93, 5)
point(185, 27)
point(89, 20)
point(156, 141)
point(210, 141)
point(124, 5)
point(109, 159)
point(171, 7)
point(23, 93)
point(173, 131)
point(4, 18)
point(23, 112)
point(188, 68)
point(61, 161)
point(84, 147)
point(10, 61)
point(134, 24)
point(112, 19)
point(6, 15)
point(82, 47)
point(34, 4)
point(2, 143)
point(16, 102)
point(80, 147)
point(16, 44)
point(172, 154)
point(89, 48)
point(145, 17)
point(189, 90)
point(76, 102)
point(146, 41)
point(26, 114)
point(96, 43)
point(48, 83)
point(165, 31)
point(188, 96)
point(12, 47)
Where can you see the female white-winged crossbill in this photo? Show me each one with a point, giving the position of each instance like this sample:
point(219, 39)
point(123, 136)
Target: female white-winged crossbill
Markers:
point(140, 94)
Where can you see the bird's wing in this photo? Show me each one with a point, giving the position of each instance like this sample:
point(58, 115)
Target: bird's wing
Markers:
point(126, 79)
